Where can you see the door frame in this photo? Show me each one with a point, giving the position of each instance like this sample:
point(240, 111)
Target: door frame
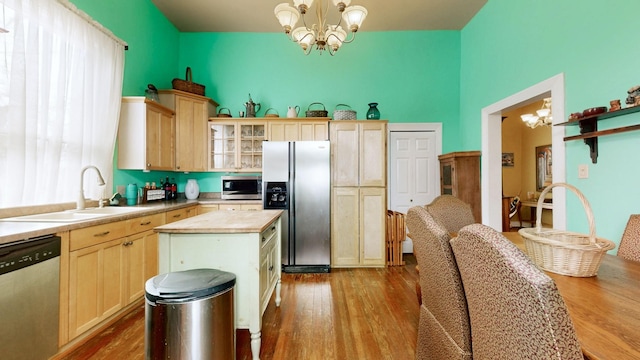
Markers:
point(491, 163)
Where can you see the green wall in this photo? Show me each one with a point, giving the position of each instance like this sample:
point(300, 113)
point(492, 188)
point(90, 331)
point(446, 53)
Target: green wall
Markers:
point(511, 45)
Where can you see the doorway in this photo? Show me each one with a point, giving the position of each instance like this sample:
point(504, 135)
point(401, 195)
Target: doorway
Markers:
point(414, 171)
point(491, 163)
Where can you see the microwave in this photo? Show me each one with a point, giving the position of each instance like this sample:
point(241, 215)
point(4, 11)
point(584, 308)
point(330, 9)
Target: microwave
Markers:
point(241, 188)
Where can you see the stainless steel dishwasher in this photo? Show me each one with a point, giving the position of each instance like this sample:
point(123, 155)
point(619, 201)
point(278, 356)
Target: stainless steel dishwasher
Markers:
point(29, 298)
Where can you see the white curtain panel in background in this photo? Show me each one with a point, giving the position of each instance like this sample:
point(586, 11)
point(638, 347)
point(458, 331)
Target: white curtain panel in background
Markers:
point(60, 90)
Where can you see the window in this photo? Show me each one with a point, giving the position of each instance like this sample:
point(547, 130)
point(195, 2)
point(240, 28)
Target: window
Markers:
point(60, 90)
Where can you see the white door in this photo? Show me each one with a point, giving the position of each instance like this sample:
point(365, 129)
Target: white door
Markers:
point(413, 171)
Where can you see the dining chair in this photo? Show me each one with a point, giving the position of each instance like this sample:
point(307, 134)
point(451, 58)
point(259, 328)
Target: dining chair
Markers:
point(452, 212)
point(515, 309)
point(444, 331)
point(630, 243)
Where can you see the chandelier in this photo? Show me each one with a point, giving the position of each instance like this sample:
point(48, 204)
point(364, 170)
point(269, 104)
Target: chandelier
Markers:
point(324, 36)
point(543, 118)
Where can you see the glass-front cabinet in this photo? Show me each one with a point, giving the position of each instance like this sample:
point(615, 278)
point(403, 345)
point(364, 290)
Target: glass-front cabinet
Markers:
point(236, 145)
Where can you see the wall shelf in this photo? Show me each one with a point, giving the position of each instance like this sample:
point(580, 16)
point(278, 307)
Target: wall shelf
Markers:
point(589, 128)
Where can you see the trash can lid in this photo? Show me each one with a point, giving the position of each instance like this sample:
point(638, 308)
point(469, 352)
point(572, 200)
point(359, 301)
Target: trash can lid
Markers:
point(181, 286)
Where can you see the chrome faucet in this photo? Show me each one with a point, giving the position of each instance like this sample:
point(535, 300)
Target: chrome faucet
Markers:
point(80, 205)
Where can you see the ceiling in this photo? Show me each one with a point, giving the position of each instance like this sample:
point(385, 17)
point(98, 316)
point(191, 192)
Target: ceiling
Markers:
point(257, 15)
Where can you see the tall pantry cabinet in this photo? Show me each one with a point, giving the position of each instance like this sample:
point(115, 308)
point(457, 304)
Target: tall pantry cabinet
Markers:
point(359, 181)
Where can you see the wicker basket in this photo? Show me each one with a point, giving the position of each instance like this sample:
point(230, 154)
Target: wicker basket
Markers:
point(221, 114)
point(316, 113)
point(274, 114)
point(563, 252)
point(188, 85)
point(344, 114)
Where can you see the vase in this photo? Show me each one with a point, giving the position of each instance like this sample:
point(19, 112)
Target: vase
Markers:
point(192, 190)
point(373, 113)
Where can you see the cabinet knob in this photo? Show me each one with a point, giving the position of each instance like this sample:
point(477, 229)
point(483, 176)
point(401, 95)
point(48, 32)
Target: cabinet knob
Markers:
point(264, 238)
point(145, 223)
point(102, 234)
point(148, 165)
point(271, 268)
point(410, 200)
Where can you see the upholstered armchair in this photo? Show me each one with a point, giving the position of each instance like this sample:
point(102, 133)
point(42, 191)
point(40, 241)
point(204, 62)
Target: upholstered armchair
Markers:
point(515, 309)
point(630, 243)
point(452, 212)
point(444, 329)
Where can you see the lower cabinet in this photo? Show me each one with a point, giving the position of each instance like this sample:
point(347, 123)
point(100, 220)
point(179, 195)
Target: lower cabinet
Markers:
point(108, 266)
point(358, 227)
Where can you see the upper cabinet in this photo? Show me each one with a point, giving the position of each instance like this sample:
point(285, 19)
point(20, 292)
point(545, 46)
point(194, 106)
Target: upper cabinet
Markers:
point(358, 151)
point(236, 145)
point(146, 135)
point(192, 113)
point(298, 129)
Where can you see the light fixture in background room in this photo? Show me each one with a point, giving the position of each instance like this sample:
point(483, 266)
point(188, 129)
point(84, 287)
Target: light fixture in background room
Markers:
point(322, 35)
point(543, 116)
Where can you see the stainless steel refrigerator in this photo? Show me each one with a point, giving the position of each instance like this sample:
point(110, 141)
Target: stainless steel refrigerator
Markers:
point(296, 177)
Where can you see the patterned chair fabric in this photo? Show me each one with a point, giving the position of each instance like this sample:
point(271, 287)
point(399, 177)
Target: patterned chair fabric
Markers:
point(452, 212)
point(515, 309)
point(630, 243)
point(444, 331)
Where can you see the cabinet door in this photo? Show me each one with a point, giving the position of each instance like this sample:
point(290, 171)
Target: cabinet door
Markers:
point(134, 267)
point(191, 134)
point(160, 139)
point(446, 177)
point(95, 285)
point(344, 153)
point(314, 131)
point(150, 256)
point(373, 153)
point(250, 151)
point(222, 146)
point(284, 131)
point(345, 244)
point(373, 210)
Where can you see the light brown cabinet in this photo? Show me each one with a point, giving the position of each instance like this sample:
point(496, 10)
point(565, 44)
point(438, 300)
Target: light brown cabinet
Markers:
point(108, 266)
point(146, 135)
point(460, 177)
point(358, 204)
point(298, 129)
point(192, 113)
point(236, 145)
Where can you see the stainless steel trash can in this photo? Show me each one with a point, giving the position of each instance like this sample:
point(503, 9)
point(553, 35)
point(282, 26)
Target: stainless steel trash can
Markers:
point(190, 315)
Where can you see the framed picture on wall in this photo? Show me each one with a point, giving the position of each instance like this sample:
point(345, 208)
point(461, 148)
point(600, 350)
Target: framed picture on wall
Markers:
point(544, 176)
point(507, 159)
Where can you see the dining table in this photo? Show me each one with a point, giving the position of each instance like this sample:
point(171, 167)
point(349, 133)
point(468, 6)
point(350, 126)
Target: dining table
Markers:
point(605, 309)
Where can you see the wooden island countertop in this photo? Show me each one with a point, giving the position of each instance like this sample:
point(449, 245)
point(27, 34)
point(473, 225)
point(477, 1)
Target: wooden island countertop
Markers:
point(223, 222)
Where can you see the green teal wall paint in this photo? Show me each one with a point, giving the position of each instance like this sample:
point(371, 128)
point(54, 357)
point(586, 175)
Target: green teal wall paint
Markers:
point(414, 75)
point(511, 45)
point(152, 58)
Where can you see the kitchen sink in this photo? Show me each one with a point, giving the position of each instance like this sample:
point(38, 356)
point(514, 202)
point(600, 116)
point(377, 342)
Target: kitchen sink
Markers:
point(73, 215)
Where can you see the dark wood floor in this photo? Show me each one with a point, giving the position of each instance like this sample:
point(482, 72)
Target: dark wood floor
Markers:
point(346, 314)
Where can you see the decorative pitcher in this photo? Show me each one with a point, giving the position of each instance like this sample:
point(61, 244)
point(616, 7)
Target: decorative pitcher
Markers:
point(293, 111)
point(252, 108)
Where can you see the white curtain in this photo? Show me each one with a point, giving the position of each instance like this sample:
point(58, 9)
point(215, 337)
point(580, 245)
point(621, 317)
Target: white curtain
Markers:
point(60, 90)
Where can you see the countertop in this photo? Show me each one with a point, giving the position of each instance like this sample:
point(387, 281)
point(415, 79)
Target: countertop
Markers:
point(13, 231)
point(223, 222)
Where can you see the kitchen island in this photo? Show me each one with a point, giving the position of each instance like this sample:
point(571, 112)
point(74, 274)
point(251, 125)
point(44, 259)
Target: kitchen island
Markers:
point(245, 243)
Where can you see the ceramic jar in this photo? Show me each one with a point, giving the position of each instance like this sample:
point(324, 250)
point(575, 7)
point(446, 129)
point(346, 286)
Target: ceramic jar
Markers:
point(192, 190)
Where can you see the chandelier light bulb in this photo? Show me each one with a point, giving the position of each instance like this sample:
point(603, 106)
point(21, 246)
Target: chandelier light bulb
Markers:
point(354, 16)
point(287, 15)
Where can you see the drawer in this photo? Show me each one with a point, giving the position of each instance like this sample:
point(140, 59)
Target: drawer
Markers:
point(269, 234)
point(144, 223)
point(203, 209)
point(176, 215)
point(92, 235)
